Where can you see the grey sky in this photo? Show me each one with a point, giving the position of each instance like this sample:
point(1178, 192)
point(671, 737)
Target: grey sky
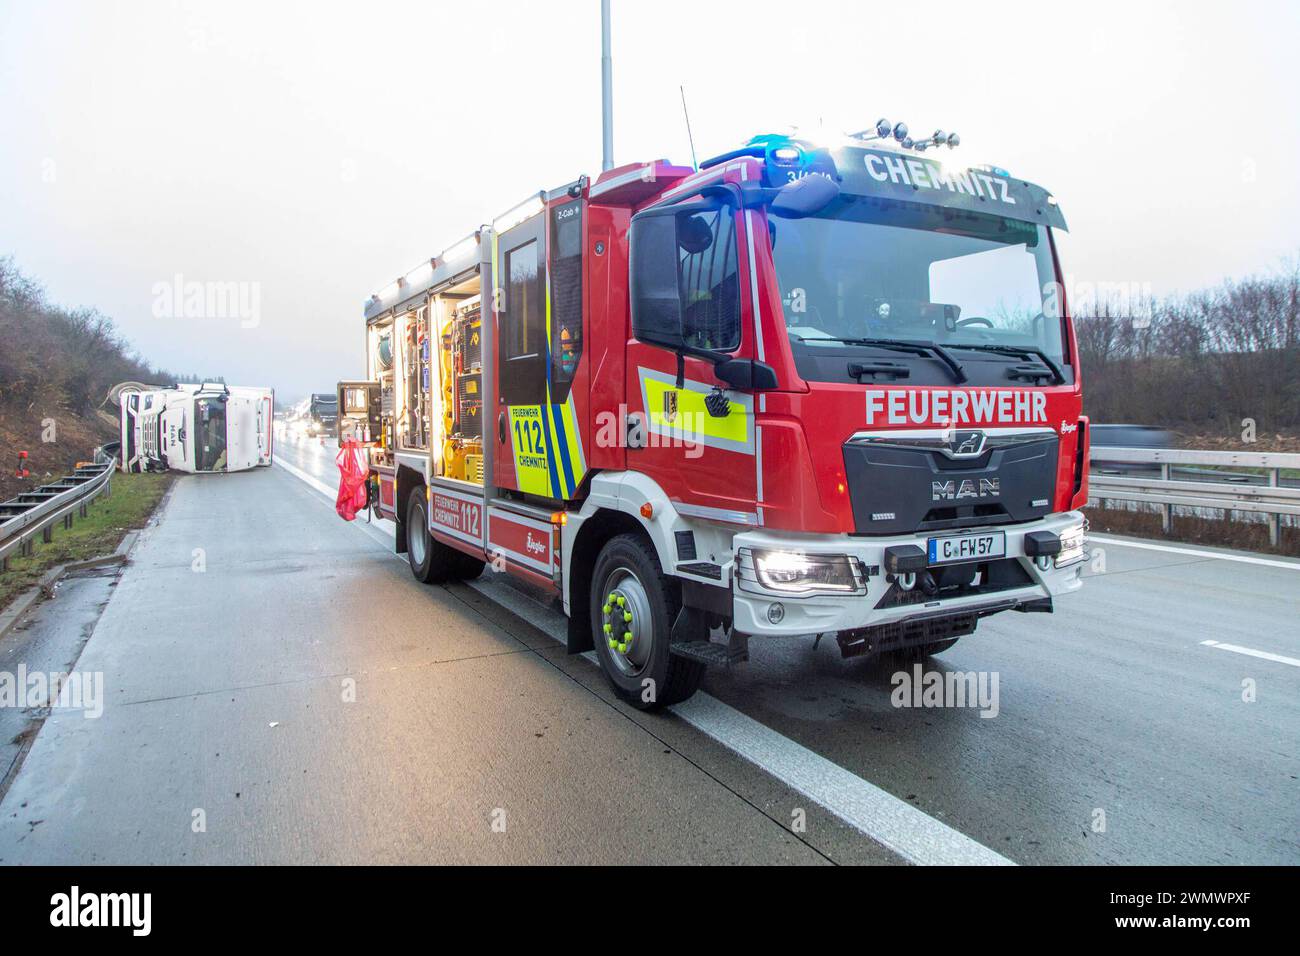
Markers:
point(322, 149)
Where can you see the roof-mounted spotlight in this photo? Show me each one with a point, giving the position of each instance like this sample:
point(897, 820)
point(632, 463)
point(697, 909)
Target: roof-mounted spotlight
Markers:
point(882, 130)
point(953, 140)
point(900, 132)
point(907, 142)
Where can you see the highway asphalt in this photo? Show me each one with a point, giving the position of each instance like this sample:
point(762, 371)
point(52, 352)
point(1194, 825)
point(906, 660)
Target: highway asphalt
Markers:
point(1119, 736)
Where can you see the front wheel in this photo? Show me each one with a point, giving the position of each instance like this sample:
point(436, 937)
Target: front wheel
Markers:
point(633, 606)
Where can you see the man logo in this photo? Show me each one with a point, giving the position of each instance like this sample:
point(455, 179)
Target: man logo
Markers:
point(966, 444)
point(966, 488)
point(670, 406)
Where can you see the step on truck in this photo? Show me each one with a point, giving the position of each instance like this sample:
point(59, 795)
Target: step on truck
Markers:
point(801, 390)
point(209, 427)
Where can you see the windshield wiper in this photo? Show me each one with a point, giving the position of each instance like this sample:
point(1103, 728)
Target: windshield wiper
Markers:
point(1020, 351)
point(903, 345)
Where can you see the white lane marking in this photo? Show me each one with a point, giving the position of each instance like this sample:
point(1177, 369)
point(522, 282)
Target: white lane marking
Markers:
point(911, 833)
point(908, 831)
point(301, 475)
point(1251, 652)
point(1242, 558)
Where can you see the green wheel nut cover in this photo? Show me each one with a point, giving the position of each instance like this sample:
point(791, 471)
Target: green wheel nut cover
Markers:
point(627, 615)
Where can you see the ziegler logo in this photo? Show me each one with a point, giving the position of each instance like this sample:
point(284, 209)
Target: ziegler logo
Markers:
point(532, 546)
point(966, 488)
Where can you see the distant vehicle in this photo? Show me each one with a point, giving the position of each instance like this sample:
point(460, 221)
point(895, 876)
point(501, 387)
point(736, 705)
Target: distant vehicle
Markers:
point(1128, 436)
point(1132, 436)
point(314, 416)
point(196, 428)
point(322, 413)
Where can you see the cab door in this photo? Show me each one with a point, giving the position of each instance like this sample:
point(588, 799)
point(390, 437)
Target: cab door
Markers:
point(538, 344)
point(696, 438)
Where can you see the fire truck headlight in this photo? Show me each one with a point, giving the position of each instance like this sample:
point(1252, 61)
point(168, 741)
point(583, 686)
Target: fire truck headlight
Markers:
point(1071, 546)
point(799, 572)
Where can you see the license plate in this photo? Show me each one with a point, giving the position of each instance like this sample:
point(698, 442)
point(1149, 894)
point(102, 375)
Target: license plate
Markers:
point(968, 547)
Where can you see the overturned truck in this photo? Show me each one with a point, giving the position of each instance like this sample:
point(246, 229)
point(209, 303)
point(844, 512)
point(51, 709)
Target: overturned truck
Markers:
point(210, 427)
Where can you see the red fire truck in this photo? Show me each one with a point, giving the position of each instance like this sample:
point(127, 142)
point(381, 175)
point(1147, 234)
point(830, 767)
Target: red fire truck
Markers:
point(802, 390)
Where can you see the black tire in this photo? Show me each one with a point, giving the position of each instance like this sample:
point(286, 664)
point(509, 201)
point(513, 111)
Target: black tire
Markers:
point(420, 550)
point(628, 566)
point(433, 562)
point(938, 647)
point(923, 650)
point(463, 567)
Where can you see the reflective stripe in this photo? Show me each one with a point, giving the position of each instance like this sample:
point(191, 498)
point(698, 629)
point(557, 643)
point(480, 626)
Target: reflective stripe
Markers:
point(692, 424)
point(716, 514)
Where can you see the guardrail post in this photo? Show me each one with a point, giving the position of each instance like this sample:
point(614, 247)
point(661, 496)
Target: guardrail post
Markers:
point(82, 509)
point(1166, 510)
point(47, 534)
point(1274, 520)
point(28, 548)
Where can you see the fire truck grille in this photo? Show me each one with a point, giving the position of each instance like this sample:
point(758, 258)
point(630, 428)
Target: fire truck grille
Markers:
point(899, 488)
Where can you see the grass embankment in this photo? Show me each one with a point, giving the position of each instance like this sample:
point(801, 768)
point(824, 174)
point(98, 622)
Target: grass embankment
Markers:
point(133, 500)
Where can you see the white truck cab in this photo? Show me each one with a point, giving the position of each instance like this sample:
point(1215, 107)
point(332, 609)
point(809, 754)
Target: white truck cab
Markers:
point(210, 427)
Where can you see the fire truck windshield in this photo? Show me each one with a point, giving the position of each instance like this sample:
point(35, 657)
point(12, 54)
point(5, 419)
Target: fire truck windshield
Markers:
point(869, 268)
point(210, 437)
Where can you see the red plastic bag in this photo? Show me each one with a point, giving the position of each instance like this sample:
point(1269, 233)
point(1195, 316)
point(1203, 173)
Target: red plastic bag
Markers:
point(353, 471)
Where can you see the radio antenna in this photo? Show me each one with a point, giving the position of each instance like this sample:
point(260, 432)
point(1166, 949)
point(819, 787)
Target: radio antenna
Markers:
point(689, 137)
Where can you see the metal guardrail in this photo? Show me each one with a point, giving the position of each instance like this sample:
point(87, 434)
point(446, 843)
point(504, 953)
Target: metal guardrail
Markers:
point(1167, 491)
point(38, 510)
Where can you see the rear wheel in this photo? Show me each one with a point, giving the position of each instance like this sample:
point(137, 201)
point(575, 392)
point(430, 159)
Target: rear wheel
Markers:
point(419, 543)
point(918, 651)
point(633, 606)
point(433, 562)
point(938, 647)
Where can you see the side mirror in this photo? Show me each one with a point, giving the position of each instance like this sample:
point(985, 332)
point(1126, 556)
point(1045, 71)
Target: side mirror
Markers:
point(746, 374)
point(655, 293)
point(806, 196)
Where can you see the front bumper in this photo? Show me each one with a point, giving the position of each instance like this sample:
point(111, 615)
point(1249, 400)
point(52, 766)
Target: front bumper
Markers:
point(821, 613)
